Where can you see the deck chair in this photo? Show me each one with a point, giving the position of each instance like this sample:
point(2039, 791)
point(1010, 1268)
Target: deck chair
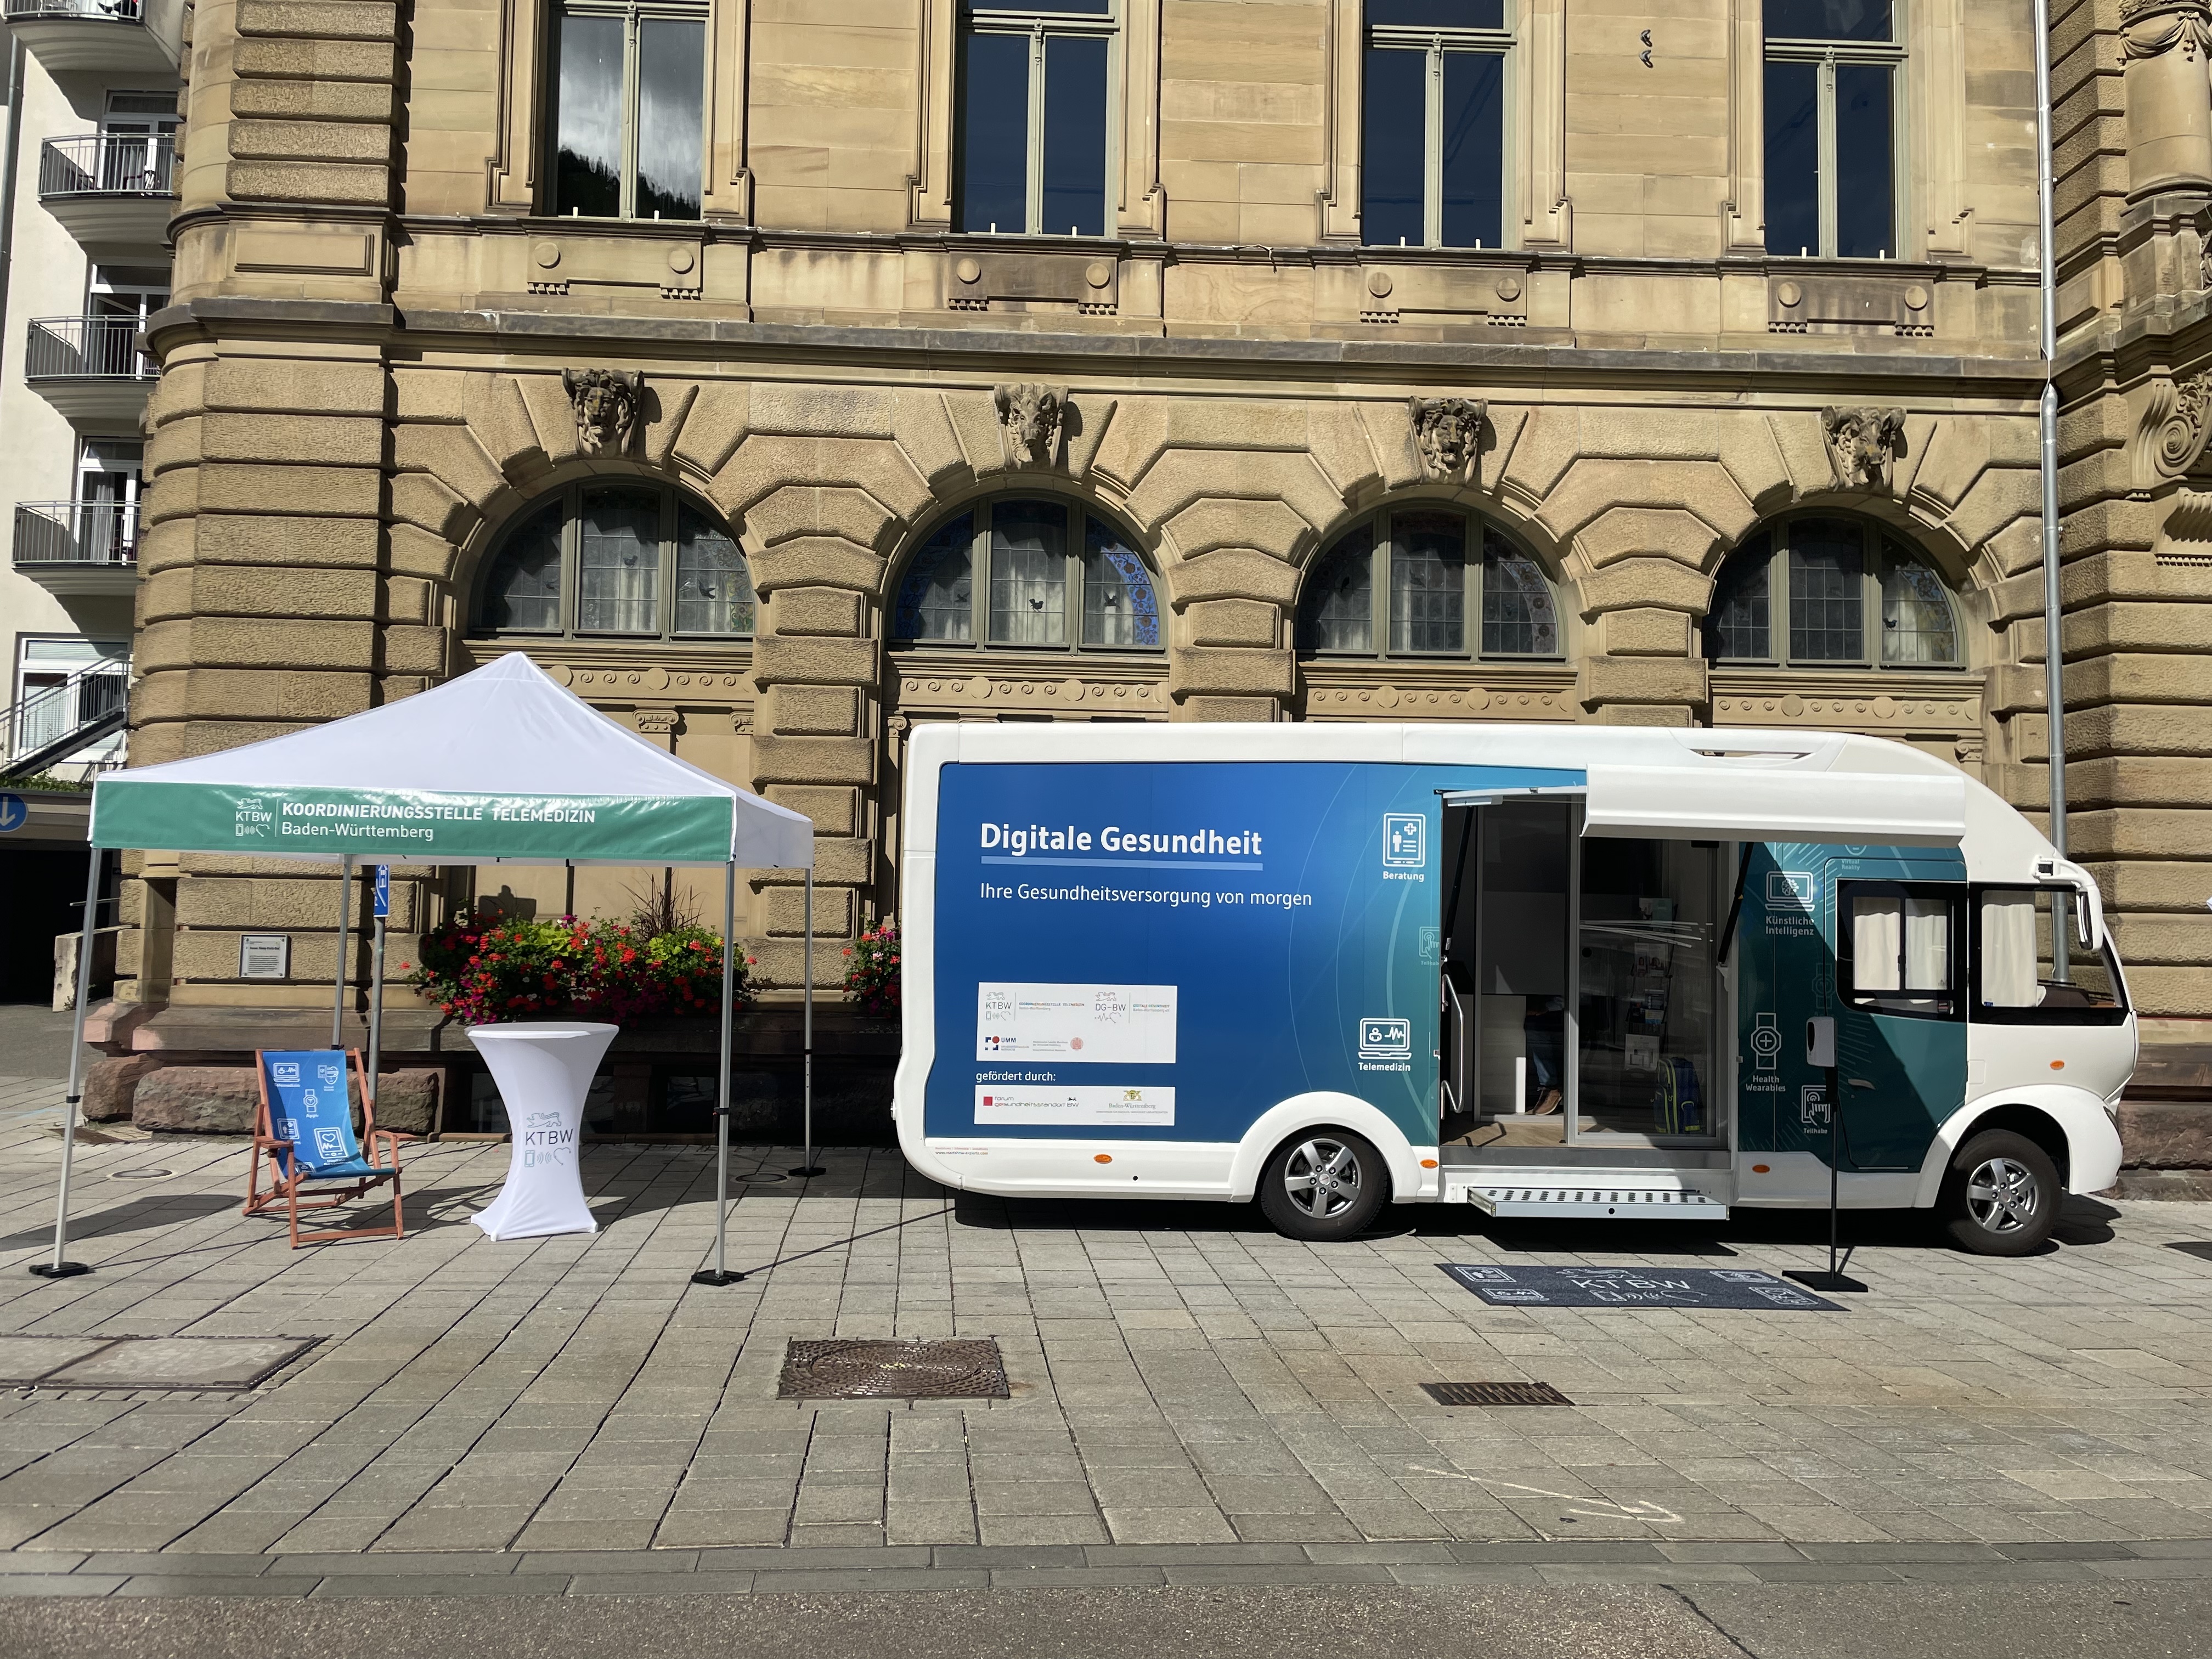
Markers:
point(305, 1129)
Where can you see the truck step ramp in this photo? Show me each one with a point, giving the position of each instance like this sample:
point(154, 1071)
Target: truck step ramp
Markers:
point(1623, 1203)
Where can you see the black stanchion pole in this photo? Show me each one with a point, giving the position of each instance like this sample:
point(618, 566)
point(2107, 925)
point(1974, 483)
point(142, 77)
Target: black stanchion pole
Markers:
point(1821, 1051)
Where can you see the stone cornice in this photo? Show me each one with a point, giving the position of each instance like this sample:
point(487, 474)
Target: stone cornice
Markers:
point(2170, 334)
point(994, 352)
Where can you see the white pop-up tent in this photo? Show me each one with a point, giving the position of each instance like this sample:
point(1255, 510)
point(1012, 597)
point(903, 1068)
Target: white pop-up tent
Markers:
point(500, 766)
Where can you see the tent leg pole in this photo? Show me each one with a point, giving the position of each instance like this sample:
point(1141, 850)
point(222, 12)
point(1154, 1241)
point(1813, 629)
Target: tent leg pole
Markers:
point(345, 938)
point(720, 1273)
point(809, 1168)
point(375, 1017)
point(61, 1266)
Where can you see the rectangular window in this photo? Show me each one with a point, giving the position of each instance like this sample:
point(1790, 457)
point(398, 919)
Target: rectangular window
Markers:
point(671, 95)
point(1793, 158)
point(618, 566)
point(1898, 951)
point(1432, 157)
point(1394, 159)
point(1074, 161)
point(1035, 120)
point(1428, 582)
point(627, 124)
point(1029, 573)
point(2017, 979)
point(1827, 602)
point(1830, 93)
point(994, 133)
point(1472, 174)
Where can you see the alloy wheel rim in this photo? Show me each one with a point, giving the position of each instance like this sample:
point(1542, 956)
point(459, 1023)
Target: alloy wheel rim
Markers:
point(2002, 1195)
point(1322, 1178)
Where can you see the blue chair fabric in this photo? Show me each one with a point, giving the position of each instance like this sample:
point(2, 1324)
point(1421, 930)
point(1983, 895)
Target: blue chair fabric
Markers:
point(306, 1130)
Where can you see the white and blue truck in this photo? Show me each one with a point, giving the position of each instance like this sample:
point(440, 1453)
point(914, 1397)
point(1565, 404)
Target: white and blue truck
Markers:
point(1556, 970)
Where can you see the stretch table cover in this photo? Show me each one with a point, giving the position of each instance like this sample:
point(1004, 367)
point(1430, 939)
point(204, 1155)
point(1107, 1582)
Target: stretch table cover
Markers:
point(542, 1072)
point(501, 765)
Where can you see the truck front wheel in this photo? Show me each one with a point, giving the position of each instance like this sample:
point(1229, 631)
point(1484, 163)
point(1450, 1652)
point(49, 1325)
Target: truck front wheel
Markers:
point(2001, 1196)
point(1324, 1184)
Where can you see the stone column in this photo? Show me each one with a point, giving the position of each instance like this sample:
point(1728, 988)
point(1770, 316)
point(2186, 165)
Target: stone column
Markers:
point(1640, 661)
point(813, 752)
point(1236, 663)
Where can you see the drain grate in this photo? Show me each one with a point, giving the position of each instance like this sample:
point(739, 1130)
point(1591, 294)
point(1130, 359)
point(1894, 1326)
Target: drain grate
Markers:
point(1495, 1394)
point(861, 1370)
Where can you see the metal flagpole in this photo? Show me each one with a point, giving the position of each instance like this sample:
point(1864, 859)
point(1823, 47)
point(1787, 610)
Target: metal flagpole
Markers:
point(720, 1273)
point(809, 1168)
point(345, 937)
point(2054, 618)
point(382, 888)
point(61, 1266)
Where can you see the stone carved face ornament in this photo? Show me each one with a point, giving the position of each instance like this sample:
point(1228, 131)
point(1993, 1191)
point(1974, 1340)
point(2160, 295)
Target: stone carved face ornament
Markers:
point(606, 402)
point(1447, 431)
point(1031, 415)
point(1863, 443)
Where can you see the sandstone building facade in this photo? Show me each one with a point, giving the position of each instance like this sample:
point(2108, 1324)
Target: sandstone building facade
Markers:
point(781, 376)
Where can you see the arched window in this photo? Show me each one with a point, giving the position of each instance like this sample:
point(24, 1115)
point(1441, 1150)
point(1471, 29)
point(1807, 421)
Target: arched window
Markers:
point(638, 559)
point(1402, 584)
point(1028, 571)
point(1831, 592)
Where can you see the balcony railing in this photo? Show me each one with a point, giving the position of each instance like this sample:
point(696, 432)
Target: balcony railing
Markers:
point(76, 534)
point(108, 164)
point(50, 723)
point(111, 11)
point(85, 347)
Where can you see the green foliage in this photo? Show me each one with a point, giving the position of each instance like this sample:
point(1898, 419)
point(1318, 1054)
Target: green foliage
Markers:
point(488, 968)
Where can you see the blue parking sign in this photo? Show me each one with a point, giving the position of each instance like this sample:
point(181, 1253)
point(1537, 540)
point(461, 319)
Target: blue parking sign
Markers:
point(383, 890)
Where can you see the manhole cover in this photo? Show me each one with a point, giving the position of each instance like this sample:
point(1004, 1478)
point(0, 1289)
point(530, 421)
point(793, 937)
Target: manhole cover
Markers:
point(146, 1362)
point(1495, 1394)
point(892, 1370)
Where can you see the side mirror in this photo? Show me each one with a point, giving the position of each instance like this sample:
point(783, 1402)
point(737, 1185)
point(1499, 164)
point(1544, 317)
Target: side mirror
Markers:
point(1821, 1041)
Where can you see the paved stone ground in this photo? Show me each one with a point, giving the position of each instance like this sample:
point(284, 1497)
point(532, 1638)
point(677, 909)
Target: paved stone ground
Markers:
point(481, 1412)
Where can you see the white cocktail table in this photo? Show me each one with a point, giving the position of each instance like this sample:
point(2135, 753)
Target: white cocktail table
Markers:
point(542, 1072)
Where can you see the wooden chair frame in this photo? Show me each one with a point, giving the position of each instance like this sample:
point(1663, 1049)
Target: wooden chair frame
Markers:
point(290, 1189)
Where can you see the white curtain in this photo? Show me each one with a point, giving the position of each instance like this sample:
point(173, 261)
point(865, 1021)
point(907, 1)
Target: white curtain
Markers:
point(618, 586)
point(1877, 938)
point(2008, 978)
point(1029, 573)
point(1927, 944)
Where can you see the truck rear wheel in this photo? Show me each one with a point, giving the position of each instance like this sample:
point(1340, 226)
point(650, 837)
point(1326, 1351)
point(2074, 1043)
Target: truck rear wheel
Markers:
point(1324, 1184)
point(2001, 1196)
